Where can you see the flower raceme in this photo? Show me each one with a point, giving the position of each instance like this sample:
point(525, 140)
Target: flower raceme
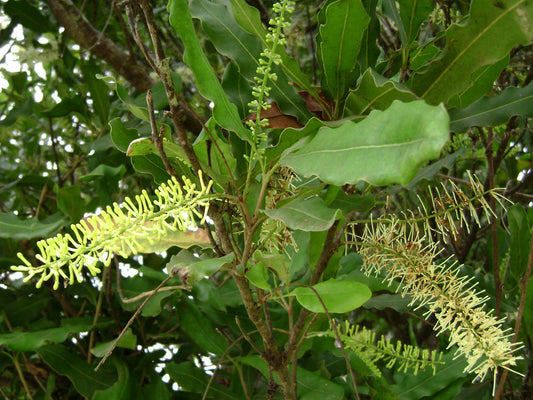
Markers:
point(398, 250)
point(122, 229)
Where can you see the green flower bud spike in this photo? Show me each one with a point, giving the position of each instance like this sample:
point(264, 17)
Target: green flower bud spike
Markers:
point(119, 229)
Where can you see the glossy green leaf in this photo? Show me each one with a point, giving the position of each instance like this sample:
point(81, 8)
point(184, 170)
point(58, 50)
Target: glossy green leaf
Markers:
point(127, 341)
point(200, 329)
point(121, 388)
point(339, 43)
point(337, 296)
point(237, 88)
point(143, 146)
point(122, 136)
point(106, 171)
point(482, 83)
point(413, 13)
point(397, 302)
point(387, 147)
point(194, 379)
point(82, 375)
point(28, 15)
point(70, 202)
point(520, 234)
point(99, 92)
point(196, 268)
point(375, 92)
point(66, 106)
point(492, 30)
point(491, 111)
point(312, 386)
point(13, 227)
point(31, 341)
point(136, 286)
point(306, 214)
point(248, 18)
point(206, 80)
point(258, 275)
point(140, 111)
point(244, 48)
point(528, 311)
point(151, 164)
point(370, 51)
point(427, 384)
point(391, 11)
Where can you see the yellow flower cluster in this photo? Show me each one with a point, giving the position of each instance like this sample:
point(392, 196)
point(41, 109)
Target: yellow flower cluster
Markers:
point(119, 229)
point(397, 249)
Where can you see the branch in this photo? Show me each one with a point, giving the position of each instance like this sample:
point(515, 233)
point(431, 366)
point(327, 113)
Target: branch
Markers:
point(87, 36)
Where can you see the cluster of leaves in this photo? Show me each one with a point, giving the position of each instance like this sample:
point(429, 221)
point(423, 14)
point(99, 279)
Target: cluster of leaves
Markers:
point(353, 105)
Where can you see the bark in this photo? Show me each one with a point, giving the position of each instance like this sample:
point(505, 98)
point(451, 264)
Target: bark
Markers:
point(83, 33)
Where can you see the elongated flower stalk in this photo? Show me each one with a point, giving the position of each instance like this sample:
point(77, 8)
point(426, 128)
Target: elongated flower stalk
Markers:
point(120, 229)
point(363, 342)
point(401, 251)
point(269, 57)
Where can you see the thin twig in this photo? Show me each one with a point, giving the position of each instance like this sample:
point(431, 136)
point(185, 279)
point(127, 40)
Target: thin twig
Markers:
point(139, 309)
point(220, 362)
point(337, 336)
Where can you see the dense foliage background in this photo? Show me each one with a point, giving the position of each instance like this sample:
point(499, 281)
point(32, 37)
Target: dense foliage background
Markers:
point(75, 75)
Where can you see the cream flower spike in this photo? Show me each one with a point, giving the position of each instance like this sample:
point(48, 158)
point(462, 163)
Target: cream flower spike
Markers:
point(119, 230)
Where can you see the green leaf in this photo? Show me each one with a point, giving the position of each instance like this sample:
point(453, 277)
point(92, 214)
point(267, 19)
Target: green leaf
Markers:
point(201, 330)
point(413, 13)
point(122, 136)
point(99, 92)
point(375, 92)
point(397, 302)
point(492, 30)
point(13, 227)
point(127, 341)
point(195, 380)
point(120, 389)
point(249, 19)
point(151, 164)
point(67, 106)
point(315, 387)
point(258, 275)
point(206, 80)
point(339, 43)
point(310, 386)
point(139, 111)
point(491, 111)
point(105, 170)
point(70, 202)
point(528, 311)
point(425, 383)
point(145, 145)
point(28, 16)
point(197, 268)
point(305, 214)
point(370, 51)
point(237, 88)
point(82, 375)
point(391, 11)
point(387, 147)
point(245, 49)
point(520, 234)
point(136, 286)
point(31, 341)
point(482, 83)
point(337, 296)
